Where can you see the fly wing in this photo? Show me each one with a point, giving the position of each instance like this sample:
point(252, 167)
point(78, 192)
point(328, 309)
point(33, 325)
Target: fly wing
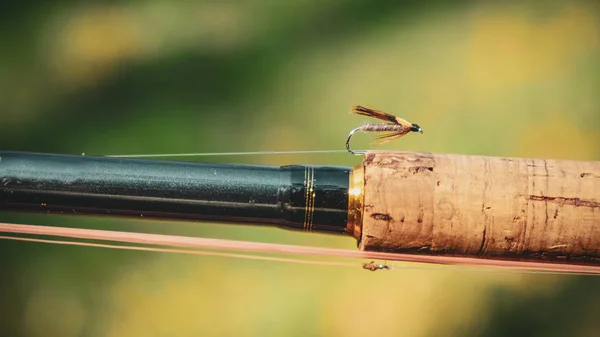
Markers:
point(389, 136)
point(374, 113)
point(403, 122)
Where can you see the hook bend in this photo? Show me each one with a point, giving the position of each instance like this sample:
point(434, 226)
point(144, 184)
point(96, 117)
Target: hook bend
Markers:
point(356, 153)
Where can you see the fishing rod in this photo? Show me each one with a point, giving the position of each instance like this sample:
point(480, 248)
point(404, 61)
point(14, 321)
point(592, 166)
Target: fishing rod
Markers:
point(491, 208)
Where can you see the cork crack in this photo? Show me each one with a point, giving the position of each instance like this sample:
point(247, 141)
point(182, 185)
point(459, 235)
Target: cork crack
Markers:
point(565, 201)
point(381, 216)
point(481, 247)
point(419, 169)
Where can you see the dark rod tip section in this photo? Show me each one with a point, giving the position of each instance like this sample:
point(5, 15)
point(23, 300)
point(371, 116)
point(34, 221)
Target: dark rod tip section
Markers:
point(310, 198)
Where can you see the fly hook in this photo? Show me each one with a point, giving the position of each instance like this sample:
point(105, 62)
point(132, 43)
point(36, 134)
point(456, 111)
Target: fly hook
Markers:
point(356, 153)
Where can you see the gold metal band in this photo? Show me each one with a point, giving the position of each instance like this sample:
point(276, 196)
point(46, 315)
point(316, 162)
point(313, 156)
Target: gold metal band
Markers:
point(355, 201)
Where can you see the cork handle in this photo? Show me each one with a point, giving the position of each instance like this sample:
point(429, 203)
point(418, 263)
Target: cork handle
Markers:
point(526, 209)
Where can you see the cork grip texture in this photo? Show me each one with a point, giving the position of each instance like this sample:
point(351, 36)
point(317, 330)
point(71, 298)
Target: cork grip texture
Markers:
point(527, 209)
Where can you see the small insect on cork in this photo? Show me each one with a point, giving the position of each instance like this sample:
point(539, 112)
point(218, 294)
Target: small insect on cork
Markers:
point(372, 266)
point(394, 128)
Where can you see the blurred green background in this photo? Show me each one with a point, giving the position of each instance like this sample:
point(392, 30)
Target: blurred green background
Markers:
point(505, 78)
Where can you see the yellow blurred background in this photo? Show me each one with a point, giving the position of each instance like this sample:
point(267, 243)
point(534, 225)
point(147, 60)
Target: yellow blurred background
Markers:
point(140, 77)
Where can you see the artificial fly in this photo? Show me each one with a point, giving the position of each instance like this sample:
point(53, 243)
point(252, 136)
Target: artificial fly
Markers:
point(395, 127)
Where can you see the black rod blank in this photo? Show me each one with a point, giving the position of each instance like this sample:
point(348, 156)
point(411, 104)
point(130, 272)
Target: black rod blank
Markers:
point(311, 198)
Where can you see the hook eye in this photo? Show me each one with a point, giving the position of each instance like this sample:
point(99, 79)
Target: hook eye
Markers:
point(416, 128)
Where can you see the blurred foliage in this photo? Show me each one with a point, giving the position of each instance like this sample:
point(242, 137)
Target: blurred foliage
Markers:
point(121, 77)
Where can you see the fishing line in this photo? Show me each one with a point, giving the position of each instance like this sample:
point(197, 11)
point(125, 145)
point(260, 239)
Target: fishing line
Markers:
point(179, 251)
point(231, 245)
point(393, 128)
point(268, 258)
point(210, 154)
